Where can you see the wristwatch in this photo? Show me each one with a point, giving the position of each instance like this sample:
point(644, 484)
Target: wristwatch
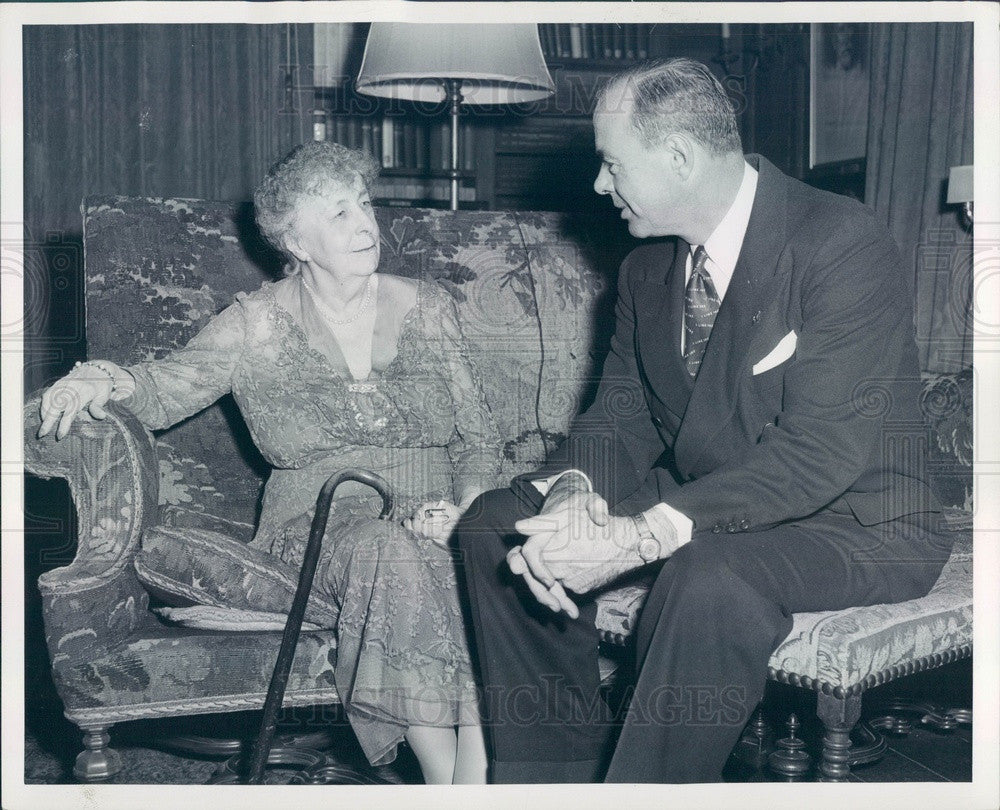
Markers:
point(649, 546)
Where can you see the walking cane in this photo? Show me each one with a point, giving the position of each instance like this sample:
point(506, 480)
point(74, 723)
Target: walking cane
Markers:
point(293, 626)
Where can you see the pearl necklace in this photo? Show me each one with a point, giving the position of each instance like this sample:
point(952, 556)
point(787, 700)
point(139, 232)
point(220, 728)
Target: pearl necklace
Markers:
point(327, 313)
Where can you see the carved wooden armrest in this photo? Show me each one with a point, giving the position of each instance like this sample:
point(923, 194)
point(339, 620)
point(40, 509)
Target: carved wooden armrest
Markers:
point(96, 602)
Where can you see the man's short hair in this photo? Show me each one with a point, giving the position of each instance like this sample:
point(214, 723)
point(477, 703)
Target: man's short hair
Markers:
point(671, 95)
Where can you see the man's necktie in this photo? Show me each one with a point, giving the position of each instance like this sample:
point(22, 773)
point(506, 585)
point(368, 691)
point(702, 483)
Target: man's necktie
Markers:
point(701, 305)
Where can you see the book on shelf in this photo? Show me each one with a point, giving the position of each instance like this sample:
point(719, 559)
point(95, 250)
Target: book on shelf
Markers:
point(575, 41)
point(642, 41)
point(410, 144)
point(628, 42)
point(367, 136)
point(421, 146)
point(467, 147)
point(398, 146)
point(388, 142)
point(562, 47)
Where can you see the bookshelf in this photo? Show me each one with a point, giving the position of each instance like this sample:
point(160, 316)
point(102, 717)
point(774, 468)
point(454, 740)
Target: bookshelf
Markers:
point(412, 145)
point(596, 41)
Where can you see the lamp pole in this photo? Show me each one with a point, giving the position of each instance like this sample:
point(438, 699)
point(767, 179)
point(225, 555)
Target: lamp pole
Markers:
point(453, 89)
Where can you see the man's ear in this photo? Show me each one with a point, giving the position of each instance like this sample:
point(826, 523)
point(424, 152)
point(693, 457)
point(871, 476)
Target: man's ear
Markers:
point(680, 154)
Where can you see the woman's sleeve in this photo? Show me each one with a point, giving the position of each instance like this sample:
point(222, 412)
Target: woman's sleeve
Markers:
point(191, 378)
point(475, 445)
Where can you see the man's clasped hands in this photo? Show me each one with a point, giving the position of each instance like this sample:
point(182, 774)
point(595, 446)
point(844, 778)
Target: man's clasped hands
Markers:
point(573, 544)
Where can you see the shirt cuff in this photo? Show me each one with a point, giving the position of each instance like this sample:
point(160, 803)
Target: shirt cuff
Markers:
point(543, 485)
point(663, 518)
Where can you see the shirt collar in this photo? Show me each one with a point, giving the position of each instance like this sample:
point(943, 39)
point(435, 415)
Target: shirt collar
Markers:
point(724, 245)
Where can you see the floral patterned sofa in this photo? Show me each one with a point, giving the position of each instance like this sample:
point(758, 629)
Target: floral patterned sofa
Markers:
point(533, 292)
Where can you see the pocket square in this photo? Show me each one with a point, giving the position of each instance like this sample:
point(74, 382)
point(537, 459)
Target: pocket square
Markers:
point(778, 355)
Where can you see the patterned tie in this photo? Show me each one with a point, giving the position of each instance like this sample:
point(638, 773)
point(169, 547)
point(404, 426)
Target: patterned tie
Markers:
point(701, 305)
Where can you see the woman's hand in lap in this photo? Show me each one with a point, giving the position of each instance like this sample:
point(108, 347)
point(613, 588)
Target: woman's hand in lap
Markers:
point(435, 520)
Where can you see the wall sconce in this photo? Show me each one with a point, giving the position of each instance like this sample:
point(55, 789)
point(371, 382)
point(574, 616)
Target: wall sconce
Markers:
point(960, 184)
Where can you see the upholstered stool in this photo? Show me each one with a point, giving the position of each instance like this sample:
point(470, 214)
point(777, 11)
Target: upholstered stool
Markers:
point(841, 654)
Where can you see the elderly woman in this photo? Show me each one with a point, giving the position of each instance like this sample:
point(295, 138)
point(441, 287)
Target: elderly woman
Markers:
point(339, 366)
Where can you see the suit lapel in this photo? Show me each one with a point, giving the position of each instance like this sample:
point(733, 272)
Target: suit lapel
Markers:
point(713, 398)
point(659, 316)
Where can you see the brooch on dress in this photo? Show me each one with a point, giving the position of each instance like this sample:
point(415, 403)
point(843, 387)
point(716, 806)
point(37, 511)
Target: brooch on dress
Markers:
point(362, 387)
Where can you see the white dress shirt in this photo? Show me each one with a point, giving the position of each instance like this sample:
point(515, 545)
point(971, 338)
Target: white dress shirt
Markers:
point(723, 249)
point(723, 246)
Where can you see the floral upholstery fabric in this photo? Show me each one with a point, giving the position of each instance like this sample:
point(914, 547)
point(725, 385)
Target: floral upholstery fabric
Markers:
point(168, 671)
point(845, 647)
point(946, 403)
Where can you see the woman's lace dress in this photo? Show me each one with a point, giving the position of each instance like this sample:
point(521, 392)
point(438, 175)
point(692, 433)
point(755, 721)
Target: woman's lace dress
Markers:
point(420, 421)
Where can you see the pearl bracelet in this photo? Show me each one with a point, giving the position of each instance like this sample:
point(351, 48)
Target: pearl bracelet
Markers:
point(103, 367)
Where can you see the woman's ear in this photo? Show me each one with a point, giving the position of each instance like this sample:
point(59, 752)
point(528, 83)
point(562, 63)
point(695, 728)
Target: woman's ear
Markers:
point(294, 247)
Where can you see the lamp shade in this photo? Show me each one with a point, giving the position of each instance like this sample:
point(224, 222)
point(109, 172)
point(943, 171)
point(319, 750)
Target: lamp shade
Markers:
point(496, 64)
point(960, 184)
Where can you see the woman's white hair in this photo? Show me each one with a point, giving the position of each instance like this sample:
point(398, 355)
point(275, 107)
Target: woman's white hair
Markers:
point(309, 170)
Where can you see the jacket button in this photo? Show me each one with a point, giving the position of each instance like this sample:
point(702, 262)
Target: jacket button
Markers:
point(716, 529)
point(657, 421)
point(744, 524)
point(731, 528)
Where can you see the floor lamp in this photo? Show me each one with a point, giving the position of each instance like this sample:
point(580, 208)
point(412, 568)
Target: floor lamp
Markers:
point(460, 64)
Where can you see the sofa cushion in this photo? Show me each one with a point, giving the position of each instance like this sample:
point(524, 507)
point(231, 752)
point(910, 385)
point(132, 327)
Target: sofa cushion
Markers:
point(189, 566)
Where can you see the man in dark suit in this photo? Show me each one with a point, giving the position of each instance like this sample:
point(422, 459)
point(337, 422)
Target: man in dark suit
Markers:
point(753, 443)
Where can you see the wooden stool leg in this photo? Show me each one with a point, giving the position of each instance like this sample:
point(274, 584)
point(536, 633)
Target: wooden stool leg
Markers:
point(839, 716)
point(96, 762)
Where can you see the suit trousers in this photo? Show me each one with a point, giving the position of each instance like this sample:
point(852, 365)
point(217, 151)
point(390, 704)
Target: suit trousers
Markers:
point(717, 610)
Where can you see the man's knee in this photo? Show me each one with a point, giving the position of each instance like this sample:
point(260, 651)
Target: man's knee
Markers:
point(702, 570)
point(480, 531)
point(489, 511)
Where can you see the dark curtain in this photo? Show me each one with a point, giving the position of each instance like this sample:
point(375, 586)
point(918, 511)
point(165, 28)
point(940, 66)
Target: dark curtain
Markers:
point(920, 125)
point(152, 110)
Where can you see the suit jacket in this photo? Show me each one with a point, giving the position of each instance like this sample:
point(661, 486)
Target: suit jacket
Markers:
point(835, 427)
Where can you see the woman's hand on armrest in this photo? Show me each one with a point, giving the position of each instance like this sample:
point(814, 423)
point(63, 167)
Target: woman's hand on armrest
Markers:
point(88, 387)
